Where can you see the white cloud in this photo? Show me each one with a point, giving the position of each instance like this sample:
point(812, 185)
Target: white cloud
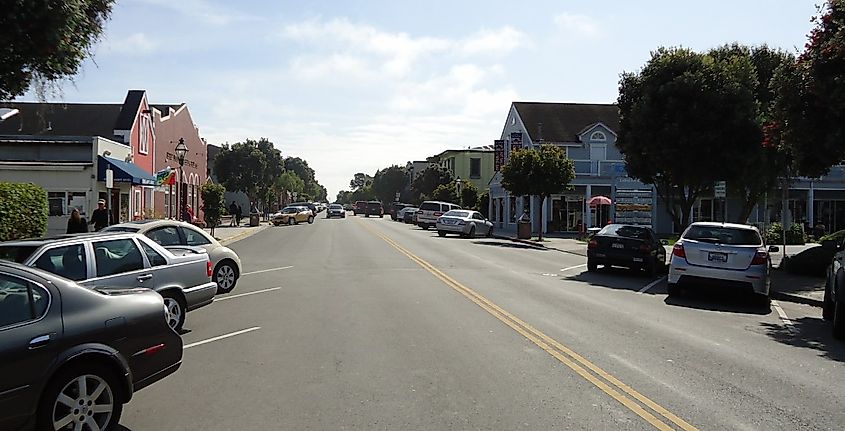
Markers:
point(577, 25)
point(204, 11)
point(137, 43)
point(498, 42)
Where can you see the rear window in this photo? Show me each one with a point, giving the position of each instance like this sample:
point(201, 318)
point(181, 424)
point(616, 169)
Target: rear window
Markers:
point(723, 235)
point(625, 231)
point(430, 206)
point(463, 214)
point(335, 207)
point(374, 204)
point(16, 253)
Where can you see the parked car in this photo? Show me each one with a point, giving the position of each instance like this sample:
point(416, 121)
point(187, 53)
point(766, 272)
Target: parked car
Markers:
point(725, 254)
point(311, 206)
point(168, 233)
point(634, 247)
point(181, 275)
point(292, 215)
point(408, 214)
point(833, 307)
point(429, 211)
point(374, 208)
point(72, 355)
point(335, 210)
point(465, 223)
point(394, 208)
point(360, 208)
point(348, 207)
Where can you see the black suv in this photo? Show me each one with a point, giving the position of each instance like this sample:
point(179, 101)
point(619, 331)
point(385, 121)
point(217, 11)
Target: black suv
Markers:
point(374, 208)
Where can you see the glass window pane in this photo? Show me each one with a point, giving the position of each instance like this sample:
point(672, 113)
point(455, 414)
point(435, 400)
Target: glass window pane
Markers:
point(194, 237)
point(165, 236)
point(153, 256)
point(117, 256)
point(68, 262)
point(14, 301)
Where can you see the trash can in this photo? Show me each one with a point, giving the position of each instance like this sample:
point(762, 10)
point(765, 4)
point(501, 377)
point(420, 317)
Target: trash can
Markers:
point(254, 219)
point(523, 229)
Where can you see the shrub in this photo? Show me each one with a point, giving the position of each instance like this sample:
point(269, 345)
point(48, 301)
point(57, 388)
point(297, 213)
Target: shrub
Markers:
point(794, 236)
point(23, 211)
point(837, 236)
point(213, 203)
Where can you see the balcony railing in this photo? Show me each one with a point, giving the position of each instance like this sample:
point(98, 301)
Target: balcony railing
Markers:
point(600, 168)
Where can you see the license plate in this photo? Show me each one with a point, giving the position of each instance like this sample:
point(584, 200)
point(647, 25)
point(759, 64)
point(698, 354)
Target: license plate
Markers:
point(717, 257)
point(617, 245)
point(638, 259)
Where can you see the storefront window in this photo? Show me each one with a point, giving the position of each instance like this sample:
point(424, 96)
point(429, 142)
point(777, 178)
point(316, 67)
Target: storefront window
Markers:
point(56, 202)
point(513, 209)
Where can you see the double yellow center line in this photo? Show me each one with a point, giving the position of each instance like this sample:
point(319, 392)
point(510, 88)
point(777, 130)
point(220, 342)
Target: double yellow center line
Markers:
point(627, 396)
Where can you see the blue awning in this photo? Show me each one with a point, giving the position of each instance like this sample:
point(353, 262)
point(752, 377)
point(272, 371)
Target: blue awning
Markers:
point(124, 172)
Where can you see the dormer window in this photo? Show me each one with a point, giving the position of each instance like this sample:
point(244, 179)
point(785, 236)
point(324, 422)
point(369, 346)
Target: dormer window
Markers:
point(598, 136)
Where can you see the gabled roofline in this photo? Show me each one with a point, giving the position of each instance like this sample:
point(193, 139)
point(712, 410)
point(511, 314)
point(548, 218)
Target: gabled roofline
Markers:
point(593, 126)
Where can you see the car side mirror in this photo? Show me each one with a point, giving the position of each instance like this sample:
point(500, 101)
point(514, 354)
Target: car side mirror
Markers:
point(664, 242)
point(774, 249)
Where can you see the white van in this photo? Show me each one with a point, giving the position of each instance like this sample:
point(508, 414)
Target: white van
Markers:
point(429, 211)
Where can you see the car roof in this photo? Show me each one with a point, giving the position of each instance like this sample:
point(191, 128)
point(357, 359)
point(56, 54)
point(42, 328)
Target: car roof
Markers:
point(38, 242)
point(151, 223)
point(721, 224)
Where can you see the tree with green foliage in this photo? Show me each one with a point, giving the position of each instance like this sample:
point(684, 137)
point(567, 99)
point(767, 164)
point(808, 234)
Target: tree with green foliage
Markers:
point(47, 40)
point(425, 184)
point(449, 193)
point(23, 211)
point(213, 204)
point(387, 182)
point(539, 172)
point(675, 131)
point(359, 181)
point(241, 167)
point(289, 182)
point(484, 203)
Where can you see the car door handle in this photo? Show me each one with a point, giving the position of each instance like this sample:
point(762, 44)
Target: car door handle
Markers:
point(39, 341)
point(145, 277)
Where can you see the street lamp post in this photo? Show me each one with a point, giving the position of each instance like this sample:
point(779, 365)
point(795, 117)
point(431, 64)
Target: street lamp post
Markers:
point(181, 151)
point(458, 186)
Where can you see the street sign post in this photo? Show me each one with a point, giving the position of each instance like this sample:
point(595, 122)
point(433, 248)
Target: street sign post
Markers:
point(720, 189)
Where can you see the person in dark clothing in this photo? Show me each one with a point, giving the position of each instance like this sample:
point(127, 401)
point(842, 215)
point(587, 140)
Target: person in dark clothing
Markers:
point(238, 215)
point(233, 211)
point(76, 223)
point(101, 217)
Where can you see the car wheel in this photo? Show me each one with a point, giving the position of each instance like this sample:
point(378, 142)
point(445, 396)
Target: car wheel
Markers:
point(424, 226)
point(381, 216)
point(592, 266)
point(291, 221)
point(82, 396)
point(441, 233)
point(828, 306)
point(490, 232)
point(839, 319)
point(471, 233)
point(673, 290)
point(311, 220)
point(226, 276)
point(175, 313)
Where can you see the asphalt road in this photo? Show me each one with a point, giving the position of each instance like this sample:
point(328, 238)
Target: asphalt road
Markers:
point(365, 323)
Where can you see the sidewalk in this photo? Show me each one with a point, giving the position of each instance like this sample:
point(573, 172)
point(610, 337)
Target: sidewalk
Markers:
point(227, 235)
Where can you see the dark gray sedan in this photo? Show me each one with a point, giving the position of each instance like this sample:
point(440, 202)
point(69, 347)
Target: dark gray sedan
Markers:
point(70, 356)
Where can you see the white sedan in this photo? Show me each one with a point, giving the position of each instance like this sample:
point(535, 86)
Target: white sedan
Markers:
point(465, 223)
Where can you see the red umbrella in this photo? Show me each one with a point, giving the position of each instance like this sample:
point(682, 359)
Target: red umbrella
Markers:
point(599, 200)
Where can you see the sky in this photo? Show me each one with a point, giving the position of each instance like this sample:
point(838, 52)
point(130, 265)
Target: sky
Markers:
point(355, 86)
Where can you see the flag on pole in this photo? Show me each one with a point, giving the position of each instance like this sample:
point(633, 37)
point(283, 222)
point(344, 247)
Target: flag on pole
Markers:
point(166, 176)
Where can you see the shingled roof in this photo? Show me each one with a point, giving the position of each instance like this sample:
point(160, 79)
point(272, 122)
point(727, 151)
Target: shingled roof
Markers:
point(562, 122)
point(61, 119)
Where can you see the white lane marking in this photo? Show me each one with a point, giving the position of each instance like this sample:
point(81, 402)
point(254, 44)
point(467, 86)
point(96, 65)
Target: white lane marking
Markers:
point(223, 298)
point(783, 317)
point(221, 337)
point(573, 267)
point(267, 270)
point(650, 285)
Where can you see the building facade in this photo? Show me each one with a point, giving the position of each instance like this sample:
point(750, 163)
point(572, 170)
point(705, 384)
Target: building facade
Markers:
point(473, 164)
point(173, 123)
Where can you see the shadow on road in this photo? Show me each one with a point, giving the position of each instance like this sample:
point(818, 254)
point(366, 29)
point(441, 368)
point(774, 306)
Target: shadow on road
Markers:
point(810, 333)
point(719, 299)
point(620, 279)
point(508, 245)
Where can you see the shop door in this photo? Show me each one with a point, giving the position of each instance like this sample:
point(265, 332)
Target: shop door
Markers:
point(114, 206)
point(558, 216)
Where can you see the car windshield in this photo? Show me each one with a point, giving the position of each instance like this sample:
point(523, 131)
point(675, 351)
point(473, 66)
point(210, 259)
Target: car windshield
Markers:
point(723, 235)
point(335, 207)
point(625, 231)
point(430, 206)
point(16, 253)
point(290, 210)
point(461, 214)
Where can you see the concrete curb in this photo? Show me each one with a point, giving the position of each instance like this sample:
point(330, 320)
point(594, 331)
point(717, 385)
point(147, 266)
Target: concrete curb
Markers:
point(243, 235)
point(788, 297)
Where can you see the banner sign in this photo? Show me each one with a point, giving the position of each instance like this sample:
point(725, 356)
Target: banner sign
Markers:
point(498, 154)
point(516, 141)
point(633, 206)
point(166, 176)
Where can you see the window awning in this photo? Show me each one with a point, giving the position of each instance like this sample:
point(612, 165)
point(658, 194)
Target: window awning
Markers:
point(124, 172)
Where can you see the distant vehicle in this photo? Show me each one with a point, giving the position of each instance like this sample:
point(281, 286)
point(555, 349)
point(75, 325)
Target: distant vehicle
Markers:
point(168, 233)
point(629, 246)
point(465, 223)
point(348, 207)
point(394, 208)
point(313, 208)
point(182, 275)
point(374, 208)
point(833, 307)
point(73, 356)
point(429, 211)
point(407, 214)
point(725, 254)
point(293, 215)
point(360, 207)
point(335, 210)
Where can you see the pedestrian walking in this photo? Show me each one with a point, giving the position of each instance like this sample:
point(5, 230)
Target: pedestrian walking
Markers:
point(101, 217)
point(233, 211)
point(76, 223)
point(238, 215)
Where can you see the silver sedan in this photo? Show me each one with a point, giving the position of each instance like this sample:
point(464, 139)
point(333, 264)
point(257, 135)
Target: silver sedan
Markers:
point(227, 264)
point(725, 254)
point(465, 223)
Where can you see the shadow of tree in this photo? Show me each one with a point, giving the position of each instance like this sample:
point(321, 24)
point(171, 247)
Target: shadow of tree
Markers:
point(503, 244)
point(808, 333)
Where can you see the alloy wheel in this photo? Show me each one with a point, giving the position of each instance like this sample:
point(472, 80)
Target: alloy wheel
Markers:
point(225, 277)
point(85, 403)
point(174, 312)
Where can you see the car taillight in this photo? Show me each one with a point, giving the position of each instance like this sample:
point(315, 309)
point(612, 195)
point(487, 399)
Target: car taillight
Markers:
point(760, 258)
point(678, 250)
point(593, 244)
point(645, 249)
point(208, 268)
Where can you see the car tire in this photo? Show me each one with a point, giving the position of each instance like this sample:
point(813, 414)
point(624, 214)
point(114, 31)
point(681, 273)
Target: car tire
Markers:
point(441, 233)
point(176, 310)
point(228, 274)
point(592, 266)
point(65, 384)
point(762, 299)
point(471, 233)
point(490, 232)
point(673, 290)
point(311, 220)
point(828, 306)
point(839, 319)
